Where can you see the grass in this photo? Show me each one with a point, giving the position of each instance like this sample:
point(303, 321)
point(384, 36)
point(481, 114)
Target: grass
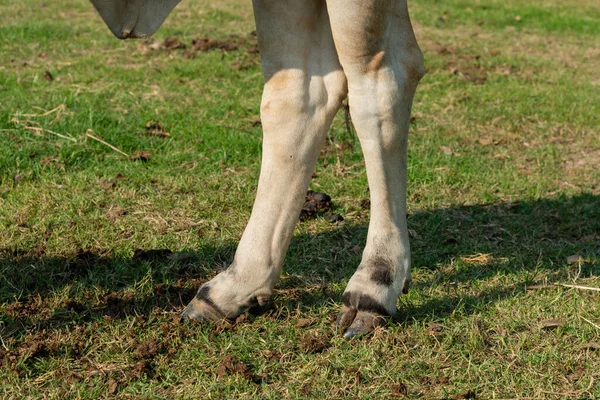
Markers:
point(504, 202)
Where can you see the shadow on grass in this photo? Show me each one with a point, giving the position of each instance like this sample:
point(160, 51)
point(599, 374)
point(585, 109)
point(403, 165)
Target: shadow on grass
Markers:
point(531, 237)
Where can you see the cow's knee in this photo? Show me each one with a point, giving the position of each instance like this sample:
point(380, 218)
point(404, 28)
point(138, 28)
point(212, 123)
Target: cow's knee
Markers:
point(294, 108)
point(292, 93)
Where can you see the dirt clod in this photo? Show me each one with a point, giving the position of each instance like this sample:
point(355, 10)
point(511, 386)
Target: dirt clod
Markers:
point(206, 44)
point(335, 218)
point(321, 200)
point(312, 343)
point(116, 305)
point(433, 328)
point(230, 365)
point(172, 43)
point(154, 127)
point(140, 255)
point(74, 306)
point(399, 389)
point(113, 385)
point(315, 202)
point(148, 350)
point(469, 394)
point(308, 211)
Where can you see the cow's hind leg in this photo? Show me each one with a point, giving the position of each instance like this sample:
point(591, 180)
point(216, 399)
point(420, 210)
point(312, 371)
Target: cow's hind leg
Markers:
point(383, 64)
point(304, 87)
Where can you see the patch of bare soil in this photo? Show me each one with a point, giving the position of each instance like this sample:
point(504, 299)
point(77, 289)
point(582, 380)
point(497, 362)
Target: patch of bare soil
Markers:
point(466, 67)
point(246, 46)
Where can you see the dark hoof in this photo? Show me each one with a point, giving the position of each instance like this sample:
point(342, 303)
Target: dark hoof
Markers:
point(352, 323)
point(200, 309)
point(360, 315)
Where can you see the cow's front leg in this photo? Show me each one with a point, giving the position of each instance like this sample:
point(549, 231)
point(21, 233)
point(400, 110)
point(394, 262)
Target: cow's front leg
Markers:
point(383, 64)
point(304, 87)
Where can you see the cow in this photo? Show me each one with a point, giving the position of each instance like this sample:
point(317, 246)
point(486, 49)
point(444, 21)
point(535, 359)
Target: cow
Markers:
point(314, 54)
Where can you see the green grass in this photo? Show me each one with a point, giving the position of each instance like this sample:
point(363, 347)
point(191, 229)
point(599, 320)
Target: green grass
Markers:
point(504, 194)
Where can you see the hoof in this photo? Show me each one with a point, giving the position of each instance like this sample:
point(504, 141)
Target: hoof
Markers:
point(203, 308)
point(353, 323)
point(360, 314)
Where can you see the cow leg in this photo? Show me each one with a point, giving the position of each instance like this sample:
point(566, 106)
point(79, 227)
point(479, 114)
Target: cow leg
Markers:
point(383, 64)
point(304, 87)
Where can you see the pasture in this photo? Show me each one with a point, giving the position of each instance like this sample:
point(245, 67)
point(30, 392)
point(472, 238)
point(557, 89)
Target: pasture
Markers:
point(128, 172)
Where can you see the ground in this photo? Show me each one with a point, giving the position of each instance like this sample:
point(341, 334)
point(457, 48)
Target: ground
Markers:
point(128, 171)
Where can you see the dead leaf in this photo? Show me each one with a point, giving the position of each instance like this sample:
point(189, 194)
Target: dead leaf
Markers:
point(112, 387)
point(115, 212)
point(536, 287)
point(477, 259)
point(446, 150)
point(141, 155)
point(485, 141)
point(550, 324)
point(304, 322)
